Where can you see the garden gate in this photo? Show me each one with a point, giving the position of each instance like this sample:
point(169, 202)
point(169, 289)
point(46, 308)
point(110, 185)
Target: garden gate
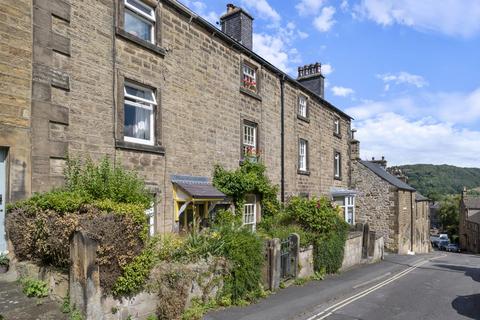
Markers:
point(289, 257)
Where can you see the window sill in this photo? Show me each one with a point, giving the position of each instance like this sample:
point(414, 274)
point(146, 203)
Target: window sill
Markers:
point(250, 93)
point(303, 173)
point(299, 117)
point(337, 178)
point(338, 135)
point(140, 42)
point(139, 147)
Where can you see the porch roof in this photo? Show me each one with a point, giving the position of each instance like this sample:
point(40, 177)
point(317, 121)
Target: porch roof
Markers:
point(340, 192)
point(198, 187)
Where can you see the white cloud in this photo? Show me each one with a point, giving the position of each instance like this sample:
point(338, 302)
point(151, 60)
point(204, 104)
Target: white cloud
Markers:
point(414, 129)
point(309, 7)
point(200, 8)
point(449, 17)
point(327, 69)
point(342, 91)
point(405, 141)
point(402, 78)
point(263, 8)
point(325, 21)
point(272, 48)
point(344, 5)
point(443, 105)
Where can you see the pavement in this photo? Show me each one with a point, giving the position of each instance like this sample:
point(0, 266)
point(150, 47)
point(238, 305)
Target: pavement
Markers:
point(437, 286)
point(14, 305)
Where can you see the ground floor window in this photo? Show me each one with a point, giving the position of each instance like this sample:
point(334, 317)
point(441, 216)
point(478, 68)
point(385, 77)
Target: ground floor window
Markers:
point(150, 213)
point(250, 212)
point(347, 205)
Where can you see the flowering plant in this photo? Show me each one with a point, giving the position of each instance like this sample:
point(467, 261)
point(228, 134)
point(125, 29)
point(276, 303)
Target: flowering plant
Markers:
point(252, 152)
point(249, 83)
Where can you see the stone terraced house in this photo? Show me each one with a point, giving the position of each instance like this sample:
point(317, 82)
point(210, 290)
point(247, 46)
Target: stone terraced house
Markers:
point(391, 207)
point(160, 90)
point(469, 222)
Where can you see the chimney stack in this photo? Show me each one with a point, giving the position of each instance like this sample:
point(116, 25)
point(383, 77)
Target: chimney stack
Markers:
point(354, 146)
point(311, 77)
point(382, 163)
point(238, 24)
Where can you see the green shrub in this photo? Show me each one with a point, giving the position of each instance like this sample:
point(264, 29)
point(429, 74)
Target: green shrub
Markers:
point(328, 252)
point(250, 178)
point(244, 250)
point(34, 287)
point(104, 181)
point(136, 272)
point(198, 309)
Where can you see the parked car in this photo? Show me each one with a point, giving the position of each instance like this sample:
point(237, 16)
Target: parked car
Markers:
point(452, 247)
point(443, 236)
point(442, 244)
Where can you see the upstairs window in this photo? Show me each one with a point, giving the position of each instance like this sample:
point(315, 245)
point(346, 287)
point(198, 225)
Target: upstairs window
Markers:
point(249, 78)
point(337, 165)
point(336, 127)
point(302, 155)
point(249, 146)
point(140, 20)
point(139, 109)
point(302, 107)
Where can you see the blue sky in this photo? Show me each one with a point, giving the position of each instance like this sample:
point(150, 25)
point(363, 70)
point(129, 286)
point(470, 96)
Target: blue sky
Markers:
point(408, 71)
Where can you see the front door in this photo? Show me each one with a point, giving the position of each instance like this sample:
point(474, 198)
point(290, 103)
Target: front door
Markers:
point(3, 196)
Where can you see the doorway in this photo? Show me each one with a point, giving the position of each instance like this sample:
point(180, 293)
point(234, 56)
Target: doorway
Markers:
point(3, 197)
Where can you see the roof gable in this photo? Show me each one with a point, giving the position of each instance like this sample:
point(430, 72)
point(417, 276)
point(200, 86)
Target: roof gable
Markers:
point(382, 173)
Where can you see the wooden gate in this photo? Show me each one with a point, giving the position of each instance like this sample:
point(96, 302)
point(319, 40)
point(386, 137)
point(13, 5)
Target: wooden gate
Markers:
point(289, 257)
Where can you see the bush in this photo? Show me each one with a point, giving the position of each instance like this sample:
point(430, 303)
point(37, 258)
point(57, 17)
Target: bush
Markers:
point(244, 250)
point(103, 181)
point(328, 252)
point(136, 272)
point(250, 178)
point(107, 203)
point(325, 226)
point(34, 287)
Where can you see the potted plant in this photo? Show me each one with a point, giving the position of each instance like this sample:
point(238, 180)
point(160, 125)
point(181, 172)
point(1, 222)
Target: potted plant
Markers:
point(252, 154)
point(4, 263)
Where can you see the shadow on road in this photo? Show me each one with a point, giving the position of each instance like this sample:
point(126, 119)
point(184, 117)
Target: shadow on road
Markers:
point(473, 273)
point(468, 306)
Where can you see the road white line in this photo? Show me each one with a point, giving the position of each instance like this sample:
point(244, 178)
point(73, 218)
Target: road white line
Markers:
point(365, 292)
point(372, 280)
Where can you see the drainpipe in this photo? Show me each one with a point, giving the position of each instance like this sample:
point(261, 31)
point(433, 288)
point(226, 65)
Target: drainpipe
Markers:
point(282, 138)
point(411, 222)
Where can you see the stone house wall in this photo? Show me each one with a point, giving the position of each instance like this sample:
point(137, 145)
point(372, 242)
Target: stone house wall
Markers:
point(80, 60)
point(406, 213)
point(421, 242)
point(15, 94)
point(375, 204)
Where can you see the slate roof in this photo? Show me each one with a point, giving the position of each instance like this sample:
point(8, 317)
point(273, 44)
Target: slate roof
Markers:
point(382, 173)
point(474, 218)
point(420, 197)
point(198, 187)
point(471, 202)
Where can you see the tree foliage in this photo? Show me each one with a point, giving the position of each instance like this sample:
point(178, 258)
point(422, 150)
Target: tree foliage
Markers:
point(449, 214)
point(435, 181)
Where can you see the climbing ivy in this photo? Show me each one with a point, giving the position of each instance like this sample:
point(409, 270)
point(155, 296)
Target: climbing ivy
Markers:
point(250, 178)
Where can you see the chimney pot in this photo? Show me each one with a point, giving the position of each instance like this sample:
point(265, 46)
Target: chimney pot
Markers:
point(230, 7)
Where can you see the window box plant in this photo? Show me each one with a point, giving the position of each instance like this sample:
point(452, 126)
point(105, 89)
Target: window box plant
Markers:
point(252, 154)
point(4, 263)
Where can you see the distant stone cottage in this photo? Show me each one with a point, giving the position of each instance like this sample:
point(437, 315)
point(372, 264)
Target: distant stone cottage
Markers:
point(469, 222)
point(391, 207)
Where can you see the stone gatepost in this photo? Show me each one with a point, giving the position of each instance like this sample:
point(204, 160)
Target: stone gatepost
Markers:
point(366, 240)
point(371, 245)
point(272, 268)
point(84, 286)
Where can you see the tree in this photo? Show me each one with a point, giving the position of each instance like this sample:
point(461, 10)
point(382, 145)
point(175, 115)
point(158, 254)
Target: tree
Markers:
point(449, 213)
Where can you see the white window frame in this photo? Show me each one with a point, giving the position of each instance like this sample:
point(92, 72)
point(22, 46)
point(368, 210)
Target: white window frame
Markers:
point(336, 124)
point(249, 138)
point(252, 213)
point(148, 18)
point(249, 73)
point(302, 106)
point(348, 203)
point(337, 160)
point(302, 155)
point(150, 213)
point(139, 102)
